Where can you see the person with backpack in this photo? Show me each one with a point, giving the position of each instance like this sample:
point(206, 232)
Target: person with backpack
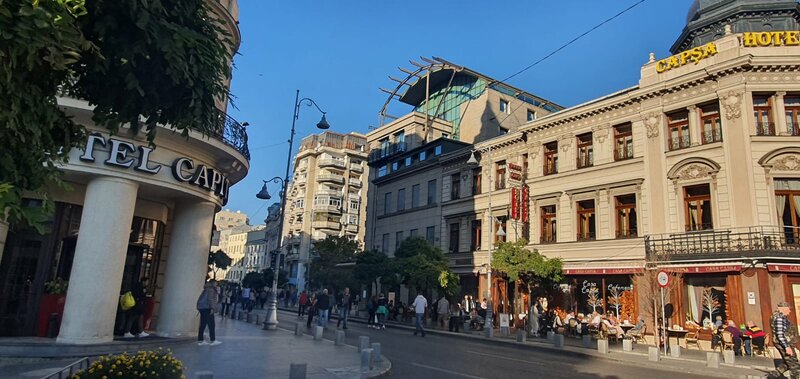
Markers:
point(301, 311)
point(133, 316)
point(207, 305)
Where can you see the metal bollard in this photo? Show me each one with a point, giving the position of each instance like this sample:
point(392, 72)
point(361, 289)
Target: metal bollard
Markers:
point(674, 351)
point(521, 337)
point(298, 331)
point(363, 342)
point(586, 341)
point(318, 333)
point(558, 340)
point(204, 375)
point(297, 370)
point(366, 360)
point(339, 338)
point(376, 352)
point(257, 319)
point(627, 345)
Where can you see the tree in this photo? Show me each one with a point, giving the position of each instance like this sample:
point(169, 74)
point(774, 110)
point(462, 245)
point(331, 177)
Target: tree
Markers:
point(218, 260)
point(531, 268)
point(423, 266)
point(615, 299)
point(253, 280)
point(375, 267)
point(140, 64)
point(710, 303)
point(269, 274)
point(329, 262)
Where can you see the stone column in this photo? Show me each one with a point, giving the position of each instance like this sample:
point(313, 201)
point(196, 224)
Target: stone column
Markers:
point(779, 115)
point(99, 261)
point(187, 265)
point(695, 131)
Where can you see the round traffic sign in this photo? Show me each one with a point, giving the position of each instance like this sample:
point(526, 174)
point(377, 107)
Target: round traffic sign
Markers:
point(663, 278)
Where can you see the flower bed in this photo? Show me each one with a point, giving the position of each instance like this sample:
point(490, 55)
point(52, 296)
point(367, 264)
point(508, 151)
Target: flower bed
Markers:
point(144, 364)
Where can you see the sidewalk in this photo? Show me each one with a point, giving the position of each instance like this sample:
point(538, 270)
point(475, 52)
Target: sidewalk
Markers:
point(692, 359)
point(246, 351)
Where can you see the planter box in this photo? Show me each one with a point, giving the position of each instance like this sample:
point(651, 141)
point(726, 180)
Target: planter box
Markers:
point(50, 306)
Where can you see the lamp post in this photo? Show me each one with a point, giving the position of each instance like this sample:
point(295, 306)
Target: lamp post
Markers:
point(489, 327)
point(271, 319)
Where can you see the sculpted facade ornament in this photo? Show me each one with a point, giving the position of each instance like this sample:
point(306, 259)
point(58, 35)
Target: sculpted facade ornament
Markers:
point(789, 162)
point(565, 141)
point(600, 132)
point(651, 123)
point(695, 171)
point(731, 103)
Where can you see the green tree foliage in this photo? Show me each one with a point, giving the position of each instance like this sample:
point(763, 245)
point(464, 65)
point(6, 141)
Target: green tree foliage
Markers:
point(327, 256)
point(218, 260)
point(375, 267)
point(139, 62)
point(424, 266)
point(253, 280)
point(530, 267)
point(283, 277)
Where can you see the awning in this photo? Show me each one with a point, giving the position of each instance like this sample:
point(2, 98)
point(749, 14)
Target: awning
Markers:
point(703, 269)
point(783, 267)
point(603, 271)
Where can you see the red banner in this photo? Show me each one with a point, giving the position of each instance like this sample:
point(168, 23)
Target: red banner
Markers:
point(783, 267)
point(603, 271)
point(525, 203)
point(703, 269)
point(515, 204)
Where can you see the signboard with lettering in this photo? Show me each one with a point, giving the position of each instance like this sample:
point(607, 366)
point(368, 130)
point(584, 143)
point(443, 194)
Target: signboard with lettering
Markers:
point(704, 269)
point(515, 204)
point(783, 267)
point(514, 174)
point(689, 56)
point(525, 203)
point(761, 39)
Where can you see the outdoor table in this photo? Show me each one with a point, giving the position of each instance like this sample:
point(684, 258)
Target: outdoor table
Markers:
point(626, 327)
point(678, 334)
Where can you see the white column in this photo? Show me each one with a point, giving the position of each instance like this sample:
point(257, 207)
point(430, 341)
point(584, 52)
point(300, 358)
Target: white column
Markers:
point(779, 114)
point(99, 261)
point(695, 129)
point(187, 264)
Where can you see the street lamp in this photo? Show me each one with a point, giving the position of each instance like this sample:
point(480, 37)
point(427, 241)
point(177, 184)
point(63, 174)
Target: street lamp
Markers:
point(489, 326)
point(271, 319)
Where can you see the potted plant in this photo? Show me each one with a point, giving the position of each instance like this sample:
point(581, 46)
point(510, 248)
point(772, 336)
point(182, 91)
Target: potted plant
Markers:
point(51, 306)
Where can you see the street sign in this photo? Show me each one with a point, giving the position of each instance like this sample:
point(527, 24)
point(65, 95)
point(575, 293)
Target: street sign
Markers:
point(663, 279)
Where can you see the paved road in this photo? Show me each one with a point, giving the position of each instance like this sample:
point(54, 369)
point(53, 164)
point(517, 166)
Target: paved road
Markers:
point(444, 357)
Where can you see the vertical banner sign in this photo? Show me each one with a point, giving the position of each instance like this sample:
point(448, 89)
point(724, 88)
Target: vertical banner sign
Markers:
point(515, 203)
point(525, 203)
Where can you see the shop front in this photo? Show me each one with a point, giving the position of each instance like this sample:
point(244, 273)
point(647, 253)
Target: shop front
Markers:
point(601, 290)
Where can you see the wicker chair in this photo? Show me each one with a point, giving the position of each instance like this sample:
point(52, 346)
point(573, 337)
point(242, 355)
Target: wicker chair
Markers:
point(727, 340)
point(766, 351)
point(638, 335)
point(691, 339)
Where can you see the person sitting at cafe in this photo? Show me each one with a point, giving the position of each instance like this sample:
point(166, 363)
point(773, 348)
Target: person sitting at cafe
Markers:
point(756, 339)
point(596, 319)
point(736, 333)
point(637, 329)
point(611, 328)
point(718, 324)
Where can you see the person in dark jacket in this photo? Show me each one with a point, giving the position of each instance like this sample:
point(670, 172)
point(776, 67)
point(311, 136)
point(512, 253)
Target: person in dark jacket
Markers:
point(312, 308)
point(207, 306)
point(133, 316)
point(323, 308)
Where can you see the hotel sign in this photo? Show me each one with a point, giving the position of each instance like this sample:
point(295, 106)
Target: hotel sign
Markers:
point(689, 56)
point(760, 39)
point(126, 155)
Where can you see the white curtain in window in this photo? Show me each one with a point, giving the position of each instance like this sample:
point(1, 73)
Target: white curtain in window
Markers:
point(780, 201)
point(693, 208)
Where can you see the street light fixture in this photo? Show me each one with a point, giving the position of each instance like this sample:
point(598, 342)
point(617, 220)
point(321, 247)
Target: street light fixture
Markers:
point(271, 319)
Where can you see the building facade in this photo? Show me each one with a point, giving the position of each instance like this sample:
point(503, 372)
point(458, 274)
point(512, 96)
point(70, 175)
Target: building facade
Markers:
point(132, 212)
point(326, 197)
point(227, 219)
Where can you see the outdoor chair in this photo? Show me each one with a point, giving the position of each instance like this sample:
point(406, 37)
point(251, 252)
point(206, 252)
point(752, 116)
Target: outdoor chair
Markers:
point(766, 351)
point(638, 335)
point(691, 339)
point(727, 340)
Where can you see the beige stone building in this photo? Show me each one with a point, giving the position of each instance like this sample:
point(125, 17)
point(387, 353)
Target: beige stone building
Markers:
point(326, 197)
point(226, 219)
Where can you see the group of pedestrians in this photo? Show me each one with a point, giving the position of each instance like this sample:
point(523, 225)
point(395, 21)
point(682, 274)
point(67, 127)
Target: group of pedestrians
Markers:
point(321, 304)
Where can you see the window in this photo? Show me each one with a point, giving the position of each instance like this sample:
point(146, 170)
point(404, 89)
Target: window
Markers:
point(429, 234)
point(762, 114)
point(697, 205)
point(401, 199)
point(525, 166)
point(787, 199)
point(585, 150)
point(382, 171)
point(531, 115)
point(500, 175)
point(395, 166)
point(476, 181)
point(398, 239)
point(407, 161)
point(437, 150)
point(475, 235)
point(501, 223)
point(422, 156)
point(415, 196)
point(711, 123)
point(384, 146)
point(352, 219)
point(385, 243)
point(413, 233)
point(400, 141)
point(354, 205)
point(551, 158)
point(432, 192)
point(454, 237)
point(504, 107)
point(455, 186)
point(548, 219)
point(792, 106)
point(387, 203)
point(586, 220)
point(678, 130)
point(623, 142)
point(626, 216)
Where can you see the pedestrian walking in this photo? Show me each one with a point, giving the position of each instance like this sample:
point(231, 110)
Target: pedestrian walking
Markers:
point(344, 308)
point(372, 306)
point(312, 309)
point(785, 337)
point(381, 312)
point(207, 306)
point(303, 300)
point(323, 308)
point(133, 316)
point(420, 304)
point(226, 302)
point(456, 318)
point(442, 308)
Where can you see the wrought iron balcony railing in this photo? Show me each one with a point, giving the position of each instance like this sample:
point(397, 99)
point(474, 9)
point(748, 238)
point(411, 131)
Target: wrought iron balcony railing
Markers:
point(232, 133)
point(745, 242)
point(765, 128)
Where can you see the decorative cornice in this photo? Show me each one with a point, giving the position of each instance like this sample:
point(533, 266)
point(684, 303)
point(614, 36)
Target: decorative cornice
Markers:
point(789, 162)
point(695, 171)
point(600, 132)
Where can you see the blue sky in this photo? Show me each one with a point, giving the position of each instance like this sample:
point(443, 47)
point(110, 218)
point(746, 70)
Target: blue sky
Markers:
point(340, 52)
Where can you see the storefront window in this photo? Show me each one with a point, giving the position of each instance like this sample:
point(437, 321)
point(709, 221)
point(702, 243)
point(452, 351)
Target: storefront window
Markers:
point(787, 199)
point(706, 298)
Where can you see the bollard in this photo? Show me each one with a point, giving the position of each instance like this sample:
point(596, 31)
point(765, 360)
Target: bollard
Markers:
point(297, 370)
point(712, 360)
point(363, 343)
point(298, 328)
point(366, 360)
point(204, 375)
point(627, 345)
point(376, 352)
point(257, 320)
point(339, 338)
point(728, 357)
point(521, 337)
point(505, 331)
point(674, 351)
point(558, 340)
point(248, 318)
point(586, 341)
point(602, 346)
point(550, 336)
point(653, 354)
point(490, 332)
point(318, 333)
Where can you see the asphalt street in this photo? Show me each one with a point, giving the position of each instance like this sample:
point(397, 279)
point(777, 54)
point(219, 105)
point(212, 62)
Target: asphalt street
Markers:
point(442, 357)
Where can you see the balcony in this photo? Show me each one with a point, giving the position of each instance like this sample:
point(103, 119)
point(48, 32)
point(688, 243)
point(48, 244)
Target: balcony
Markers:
point(748, 242)
point(678, 143)
point(328, 208)
point(765, 128)
point(334, 178)
point(352, 228)
point(623, 153)
point(586, 236)
point(713, 135)
point(630, 233)
point(333, 225)
point(329, 162)
point(232, 133)
point(356, 168)
point(354, 182)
